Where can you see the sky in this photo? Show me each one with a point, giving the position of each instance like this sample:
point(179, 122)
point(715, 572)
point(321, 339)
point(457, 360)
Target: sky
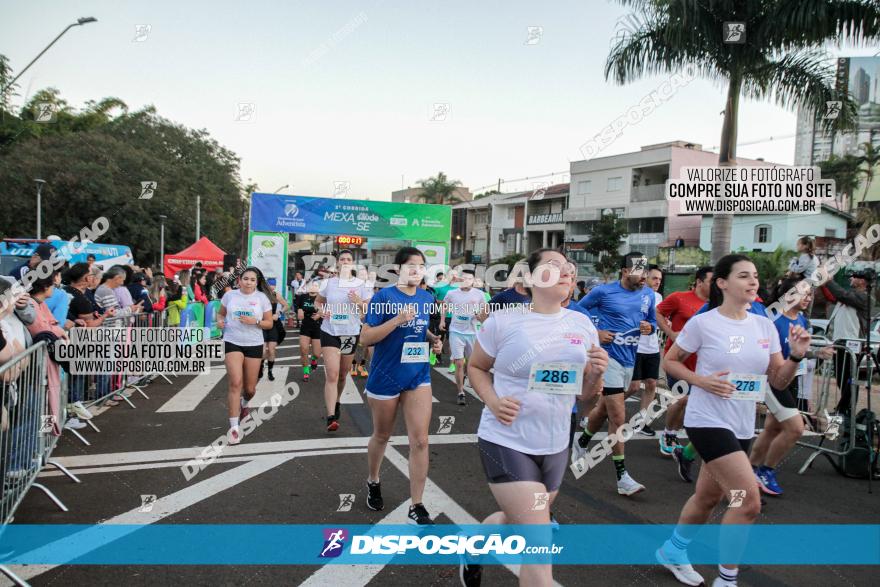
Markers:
point(378, 94)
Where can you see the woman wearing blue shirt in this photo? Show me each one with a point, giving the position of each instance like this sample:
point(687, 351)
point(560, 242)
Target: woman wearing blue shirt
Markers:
point(396, 323)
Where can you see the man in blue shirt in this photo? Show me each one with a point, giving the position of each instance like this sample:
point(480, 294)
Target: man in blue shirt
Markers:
point(626, 311)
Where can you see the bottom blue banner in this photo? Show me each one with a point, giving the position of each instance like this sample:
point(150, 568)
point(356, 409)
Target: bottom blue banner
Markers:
point(174, 544)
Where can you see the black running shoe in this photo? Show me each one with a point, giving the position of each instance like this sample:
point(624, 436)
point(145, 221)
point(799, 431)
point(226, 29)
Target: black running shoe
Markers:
point(647, 431)
point(461, 400)
point(471, 575)
point(336, 412)
point(418, 515)
point(684, 465)
point(271, 376)
point(374, 496)
point(583, 440)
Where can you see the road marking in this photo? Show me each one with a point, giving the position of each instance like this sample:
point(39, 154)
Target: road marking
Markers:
point(266, 388)
point(283, 446)
point(192, 394)
point(350, 393)
point(451, 376)
point(439, 502)
point(163, 507)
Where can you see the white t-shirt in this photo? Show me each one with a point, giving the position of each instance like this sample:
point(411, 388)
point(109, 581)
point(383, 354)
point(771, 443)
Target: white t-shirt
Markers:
point(648, 343)
point(724, 344)
point(344, 317)
point(464, 305)
point(517, 340)
point(239, 305)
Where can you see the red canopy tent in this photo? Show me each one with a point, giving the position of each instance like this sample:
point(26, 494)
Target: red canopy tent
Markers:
point(210, 255)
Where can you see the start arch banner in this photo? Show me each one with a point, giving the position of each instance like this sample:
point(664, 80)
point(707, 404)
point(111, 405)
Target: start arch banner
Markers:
point(310, 215)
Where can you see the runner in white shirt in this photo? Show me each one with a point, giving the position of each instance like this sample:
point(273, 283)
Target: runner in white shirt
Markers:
point(249, 313)
point(738, 359)
point(467, 307)
point(647, 367)
point(341, 302)
point(543, 359)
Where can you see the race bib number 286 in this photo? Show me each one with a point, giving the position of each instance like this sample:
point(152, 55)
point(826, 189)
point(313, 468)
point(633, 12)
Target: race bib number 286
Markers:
point(556, 378)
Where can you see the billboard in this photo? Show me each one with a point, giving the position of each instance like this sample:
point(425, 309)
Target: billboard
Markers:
point(306, 214)
point(268, 252)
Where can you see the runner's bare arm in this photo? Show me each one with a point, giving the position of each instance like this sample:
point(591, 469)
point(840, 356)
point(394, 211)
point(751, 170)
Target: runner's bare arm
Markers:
point(666, 326)
point(780, 372)
point(593, 372)
point(478, 366)
point(673, 364)
point(370, 335)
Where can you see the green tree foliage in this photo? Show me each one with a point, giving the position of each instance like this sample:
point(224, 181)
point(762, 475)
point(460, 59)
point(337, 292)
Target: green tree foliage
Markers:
point(439, 190)
point(779, 60)
point(94, 160)
point(608, 232)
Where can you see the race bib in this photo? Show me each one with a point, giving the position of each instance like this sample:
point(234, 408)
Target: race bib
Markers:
point(242, 312)
point(414, 352)
point(854, 345)
point(748, 387)
point(462, 319)
point(338, 319)
point(556, 378)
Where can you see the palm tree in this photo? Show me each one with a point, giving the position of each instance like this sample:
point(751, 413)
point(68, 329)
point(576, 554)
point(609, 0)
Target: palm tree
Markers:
point(779, 59)
point(845, 173)
point(439, 190)
point(870, 158)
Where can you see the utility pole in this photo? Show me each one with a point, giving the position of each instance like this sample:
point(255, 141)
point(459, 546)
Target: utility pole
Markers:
point(198, 217)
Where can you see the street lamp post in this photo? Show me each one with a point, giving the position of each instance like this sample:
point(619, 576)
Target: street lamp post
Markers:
point(287, 185)
point(162, 218)
point(40, 183)
point(198, 217)
point(79, 22)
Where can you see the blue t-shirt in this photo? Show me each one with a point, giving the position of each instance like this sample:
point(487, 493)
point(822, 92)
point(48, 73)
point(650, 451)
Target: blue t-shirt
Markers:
point(508, 297)
point(573, 305)
point(620, 311)
point(756, 308)
point(782, 323)
point(58, 303)
point(388, 375)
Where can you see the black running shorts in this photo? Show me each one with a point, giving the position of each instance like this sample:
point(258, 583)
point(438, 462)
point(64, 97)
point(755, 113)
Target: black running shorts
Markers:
point(346, 344)
point(647, 366)
point(712, 443)
point(250, 352)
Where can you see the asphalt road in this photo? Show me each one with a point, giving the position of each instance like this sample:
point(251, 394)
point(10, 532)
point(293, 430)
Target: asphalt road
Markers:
point(291, 471)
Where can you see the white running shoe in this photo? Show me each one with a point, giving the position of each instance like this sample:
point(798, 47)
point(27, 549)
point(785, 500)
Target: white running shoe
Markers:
point(80, 410)
point(577, 451)
point(628, 486)
point(680, 567)
point(74, 424)
point(234, 435)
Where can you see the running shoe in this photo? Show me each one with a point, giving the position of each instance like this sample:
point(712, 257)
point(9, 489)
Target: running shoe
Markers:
point(362, 371)
point(338, 410)
point(80, 410)
point(579, 448)
point(433, 359)
point(305, 377)
point(245, 410)
point(234, 435)
point(270, 375)
point(418, 515)
point(647, 431)
point(461, 399)
point(626, 485)
point(679, 566)
point(332, 424)
point(684, 464)
point(353, 370)
point(668, 442)
point(74, 424)
point(767, 481)
point(452, 367)
point(471, 575)
point(719, 582)
point(314, 363)
point(374, 496)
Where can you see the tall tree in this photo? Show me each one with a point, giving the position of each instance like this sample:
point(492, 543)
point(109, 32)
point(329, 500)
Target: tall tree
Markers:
point(845, 173)
point(779, 59)
point(870, 158)
point(439, 190)
point(605, 239)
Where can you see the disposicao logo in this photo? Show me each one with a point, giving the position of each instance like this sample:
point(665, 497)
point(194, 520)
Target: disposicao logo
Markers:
point(334, 542)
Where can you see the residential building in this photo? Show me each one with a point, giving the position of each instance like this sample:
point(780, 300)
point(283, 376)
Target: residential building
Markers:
point(632, 186)
point(410, 195)
point(544, 225)
point(766, 232)
point(490, 227)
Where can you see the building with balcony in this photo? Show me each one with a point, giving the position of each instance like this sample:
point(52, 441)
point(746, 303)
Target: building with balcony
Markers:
point(544, 226)
point(632, 186)
point(490, 227)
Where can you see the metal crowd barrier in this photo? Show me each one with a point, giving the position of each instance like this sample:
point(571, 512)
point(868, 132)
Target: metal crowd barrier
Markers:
point(29, 431)
point(824, 378)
